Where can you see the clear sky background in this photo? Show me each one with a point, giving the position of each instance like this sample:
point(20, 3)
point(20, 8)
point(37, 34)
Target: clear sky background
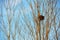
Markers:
point(20, 9)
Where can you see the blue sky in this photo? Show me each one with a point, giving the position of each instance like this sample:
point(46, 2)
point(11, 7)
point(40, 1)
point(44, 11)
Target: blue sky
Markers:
point(19, 20)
